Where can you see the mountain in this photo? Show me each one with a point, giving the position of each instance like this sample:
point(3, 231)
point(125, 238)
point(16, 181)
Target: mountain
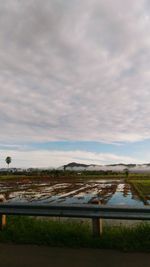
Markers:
point(120, 167)
point(74, 164)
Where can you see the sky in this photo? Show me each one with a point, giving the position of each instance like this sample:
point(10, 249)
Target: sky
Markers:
point(74, 82)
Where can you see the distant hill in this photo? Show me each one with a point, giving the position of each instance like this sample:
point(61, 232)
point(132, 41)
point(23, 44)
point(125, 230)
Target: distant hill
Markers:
point(74, 166)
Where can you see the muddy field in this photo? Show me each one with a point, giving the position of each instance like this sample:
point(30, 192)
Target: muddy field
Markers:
point(107, 192)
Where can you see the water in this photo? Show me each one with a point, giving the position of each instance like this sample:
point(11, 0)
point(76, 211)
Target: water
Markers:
point(124, 196)
point(107, 192)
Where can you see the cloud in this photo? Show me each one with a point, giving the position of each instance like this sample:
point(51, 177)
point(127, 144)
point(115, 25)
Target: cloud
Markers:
point(74, 70)
point(45, 158)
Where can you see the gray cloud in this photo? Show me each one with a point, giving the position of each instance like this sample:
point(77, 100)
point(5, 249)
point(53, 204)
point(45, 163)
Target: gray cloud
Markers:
point(74, 70)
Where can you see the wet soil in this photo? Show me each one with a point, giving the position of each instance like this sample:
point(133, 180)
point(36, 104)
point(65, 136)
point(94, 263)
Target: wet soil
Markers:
point(69, 191)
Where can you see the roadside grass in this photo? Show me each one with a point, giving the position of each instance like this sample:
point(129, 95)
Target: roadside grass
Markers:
point(70, 233)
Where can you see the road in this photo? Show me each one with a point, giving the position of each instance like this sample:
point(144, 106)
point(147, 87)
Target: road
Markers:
point(30, 255)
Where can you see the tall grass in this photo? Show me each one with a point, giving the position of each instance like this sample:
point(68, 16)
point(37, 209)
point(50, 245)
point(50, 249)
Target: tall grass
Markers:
point(68, 233)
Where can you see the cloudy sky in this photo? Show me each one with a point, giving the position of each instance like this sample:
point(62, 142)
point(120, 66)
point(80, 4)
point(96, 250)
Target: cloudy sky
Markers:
point(74, 81)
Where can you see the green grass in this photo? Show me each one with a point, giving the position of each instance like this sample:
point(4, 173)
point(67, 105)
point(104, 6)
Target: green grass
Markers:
point(15, 177)
point(11, 177)
point(142, 186)
point(68, 233)
point(74, 176)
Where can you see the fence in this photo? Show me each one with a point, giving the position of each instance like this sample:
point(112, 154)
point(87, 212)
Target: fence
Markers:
point(94, 212)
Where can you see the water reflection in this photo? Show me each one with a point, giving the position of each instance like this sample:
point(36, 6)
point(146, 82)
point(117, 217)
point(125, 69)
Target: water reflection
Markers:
point(107, 192)
point(125, 196)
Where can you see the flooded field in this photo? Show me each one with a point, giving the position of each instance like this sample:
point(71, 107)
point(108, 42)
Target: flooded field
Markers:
point(107, 192)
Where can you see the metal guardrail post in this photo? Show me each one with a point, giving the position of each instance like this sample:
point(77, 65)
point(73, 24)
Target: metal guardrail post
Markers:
point(3, 216)
point(3, 222)
point(97, 223)
point(101, 226)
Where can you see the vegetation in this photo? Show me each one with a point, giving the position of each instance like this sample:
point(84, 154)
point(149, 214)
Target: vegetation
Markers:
point(142, 186)
point(61, 174)
point(8, 160)
point(75, 233)
point(69, 233)
point(58, 174)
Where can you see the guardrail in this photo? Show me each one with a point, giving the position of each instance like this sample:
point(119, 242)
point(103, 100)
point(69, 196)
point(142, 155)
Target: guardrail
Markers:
point(94, 212)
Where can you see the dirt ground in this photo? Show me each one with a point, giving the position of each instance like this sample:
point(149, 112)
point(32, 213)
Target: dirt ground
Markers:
point(29, 255)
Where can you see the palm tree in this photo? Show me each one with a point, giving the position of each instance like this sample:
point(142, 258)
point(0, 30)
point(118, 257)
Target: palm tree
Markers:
point(8, 160)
